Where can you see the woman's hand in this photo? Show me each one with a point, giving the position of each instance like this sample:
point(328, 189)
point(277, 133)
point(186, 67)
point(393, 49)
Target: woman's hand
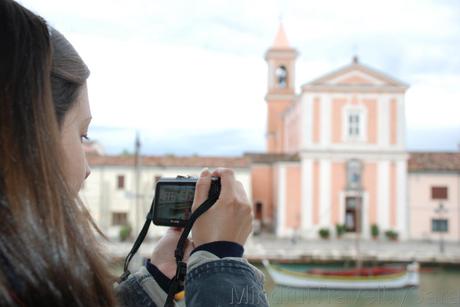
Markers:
point(230, 218)
point(163, 254)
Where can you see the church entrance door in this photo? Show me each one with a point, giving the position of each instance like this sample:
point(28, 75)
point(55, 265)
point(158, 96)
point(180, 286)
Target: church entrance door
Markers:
point(353, 214)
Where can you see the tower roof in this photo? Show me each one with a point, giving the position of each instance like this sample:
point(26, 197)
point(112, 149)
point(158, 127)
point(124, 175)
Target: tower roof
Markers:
point(281, 41)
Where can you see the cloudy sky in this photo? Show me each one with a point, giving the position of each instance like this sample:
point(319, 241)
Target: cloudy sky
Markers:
point(190, 75)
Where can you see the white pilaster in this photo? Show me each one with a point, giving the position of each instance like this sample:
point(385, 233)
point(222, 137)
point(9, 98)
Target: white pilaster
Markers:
point(365, 227)
point(281, 208)
point(401, 122)
point(306, 121)
point(383, 195)
point(325, 122)
point(383, 118)
point(342, 196)
point(402, 204)
point(307, 194)
point(325, 193)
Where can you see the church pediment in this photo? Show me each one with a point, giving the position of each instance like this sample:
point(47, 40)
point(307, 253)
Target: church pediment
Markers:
point(355, 75)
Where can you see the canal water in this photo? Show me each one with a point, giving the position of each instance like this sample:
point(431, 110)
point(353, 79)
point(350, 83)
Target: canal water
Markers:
point(438, 287)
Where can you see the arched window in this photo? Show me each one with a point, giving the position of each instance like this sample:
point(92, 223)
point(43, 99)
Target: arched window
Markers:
point(281, 76)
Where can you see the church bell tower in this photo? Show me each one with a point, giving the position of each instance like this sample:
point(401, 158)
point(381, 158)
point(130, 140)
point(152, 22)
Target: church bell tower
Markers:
point(281, 88)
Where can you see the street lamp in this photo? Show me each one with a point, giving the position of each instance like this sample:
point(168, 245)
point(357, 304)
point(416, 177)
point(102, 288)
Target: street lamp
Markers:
point(440, 210)
point(359, 224)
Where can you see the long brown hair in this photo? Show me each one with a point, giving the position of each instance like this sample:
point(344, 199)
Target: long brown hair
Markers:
point(48, 251)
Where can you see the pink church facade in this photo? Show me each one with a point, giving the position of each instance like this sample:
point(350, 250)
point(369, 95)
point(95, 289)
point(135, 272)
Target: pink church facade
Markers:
point(336, 151)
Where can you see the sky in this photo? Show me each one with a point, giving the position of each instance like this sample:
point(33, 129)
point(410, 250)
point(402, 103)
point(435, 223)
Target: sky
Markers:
point(190, 75)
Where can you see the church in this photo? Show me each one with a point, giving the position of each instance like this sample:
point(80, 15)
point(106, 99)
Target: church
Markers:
point(336, 152)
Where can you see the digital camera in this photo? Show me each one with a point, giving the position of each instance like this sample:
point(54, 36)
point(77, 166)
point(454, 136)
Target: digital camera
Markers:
point(174, 198)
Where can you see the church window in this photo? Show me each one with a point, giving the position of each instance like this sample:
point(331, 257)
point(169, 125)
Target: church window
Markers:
point(354, 123)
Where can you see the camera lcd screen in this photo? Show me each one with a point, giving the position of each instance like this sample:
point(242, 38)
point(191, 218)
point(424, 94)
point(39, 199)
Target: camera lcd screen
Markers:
point(174, 202)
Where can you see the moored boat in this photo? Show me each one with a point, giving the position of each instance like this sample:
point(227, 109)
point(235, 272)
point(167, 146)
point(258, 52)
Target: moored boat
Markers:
point(363, 278)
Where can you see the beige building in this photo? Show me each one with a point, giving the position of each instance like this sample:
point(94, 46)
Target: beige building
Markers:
point(434, 196)
point(111, 195)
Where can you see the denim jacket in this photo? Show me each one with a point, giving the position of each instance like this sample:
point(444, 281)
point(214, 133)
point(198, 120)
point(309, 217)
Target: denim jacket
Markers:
point(210, 281)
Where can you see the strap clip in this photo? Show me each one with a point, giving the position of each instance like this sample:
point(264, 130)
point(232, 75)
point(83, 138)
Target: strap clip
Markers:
point(124, 276)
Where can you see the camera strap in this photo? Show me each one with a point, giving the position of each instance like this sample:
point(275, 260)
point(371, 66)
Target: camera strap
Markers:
point(140, 238)
point(181, 270)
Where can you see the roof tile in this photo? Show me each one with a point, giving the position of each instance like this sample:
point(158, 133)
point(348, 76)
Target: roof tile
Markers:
point(170, 161)
point(434, 161)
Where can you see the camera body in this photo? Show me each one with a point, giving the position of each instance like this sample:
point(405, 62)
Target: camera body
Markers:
point(174, 198)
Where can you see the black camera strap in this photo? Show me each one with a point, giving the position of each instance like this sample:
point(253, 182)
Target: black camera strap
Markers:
point(181, 270)
point(140, 238)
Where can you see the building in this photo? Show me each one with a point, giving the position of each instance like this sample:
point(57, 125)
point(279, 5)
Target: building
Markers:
point(434, 196)
point(336, 150)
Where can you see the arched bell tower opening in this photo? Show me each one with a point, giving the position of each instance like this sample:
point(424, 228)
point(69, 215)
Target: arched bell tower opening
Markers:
point(281, 77)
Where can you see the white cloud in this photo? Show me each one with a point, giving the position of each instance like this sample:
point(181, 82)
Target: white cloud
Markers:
point(156, 86)
point(177, 67)
point(434, 101)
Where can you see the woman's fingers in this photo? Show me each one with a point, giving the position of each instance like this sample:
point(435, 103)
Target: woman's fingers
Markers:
point(202, 189)
point(227, 182)
point(241, 193)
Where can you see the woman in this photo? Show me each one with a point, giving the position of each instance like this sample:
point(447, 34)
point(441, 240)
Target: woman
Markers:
point(48, 252)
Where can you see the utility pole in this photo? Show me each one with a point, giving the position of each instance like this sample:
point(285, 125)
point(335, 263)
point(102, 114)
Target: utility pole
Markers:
point(137, 172)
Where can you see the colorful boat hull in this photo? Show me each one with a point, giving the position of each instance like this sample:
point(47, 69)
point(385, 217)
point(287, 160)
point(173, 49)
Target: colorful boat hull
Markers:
point(283, 277)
